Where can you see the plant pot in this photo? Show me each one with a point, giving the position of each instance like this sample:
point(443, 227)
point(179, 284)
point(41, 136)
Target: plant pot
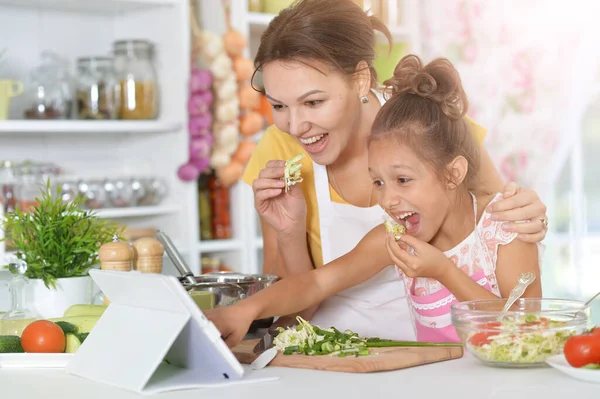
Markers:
point(51, 302)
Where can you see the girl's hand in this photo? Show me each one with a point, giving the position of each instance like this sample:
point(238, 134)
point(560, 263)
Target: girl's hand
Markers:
point(285, 212)
point(232, 321)
point(524, 206)
point(417, 258)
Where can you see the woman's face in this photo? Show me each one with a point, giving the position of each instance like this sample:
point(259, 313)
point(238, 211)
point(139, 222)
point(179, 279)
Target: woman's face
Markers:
point(321, 110)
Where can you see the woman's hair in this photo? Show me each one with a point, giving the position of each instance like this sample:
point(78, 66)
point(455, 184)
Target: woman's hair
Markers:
point(338, 33)
point(426, 111)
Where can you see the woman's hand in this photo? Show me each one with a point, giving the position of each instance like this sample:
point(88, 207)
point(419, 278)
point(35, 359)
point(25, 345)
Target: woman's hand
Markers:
point(285, 212)
point(417, 258)
point(523, 211)
point(232, 321)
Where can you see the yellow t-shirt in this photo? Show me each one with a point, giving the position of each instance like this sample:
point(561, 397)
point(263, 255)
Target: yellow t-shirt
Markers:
point(276, 144)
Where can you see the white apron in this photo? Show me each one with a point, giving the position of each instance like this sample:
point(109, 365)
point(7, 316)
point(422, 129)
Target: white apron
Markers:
point(376, 308)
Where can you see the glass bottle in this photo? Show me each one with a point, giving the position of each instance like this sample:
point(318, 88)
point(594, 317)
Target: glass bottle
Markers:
point(219, 195)
point(204, 209)
point(97, 89)
point(137, 79)
point(19, 308)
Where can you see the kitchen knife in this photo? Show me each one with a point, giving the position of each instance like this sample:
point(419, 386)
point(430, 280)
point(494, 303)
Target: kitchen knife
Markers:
point(266, 342)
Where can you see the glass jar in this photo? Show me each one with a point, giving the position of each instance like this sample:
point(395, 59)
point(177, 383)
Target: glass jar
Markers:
point(29, 183)
point(31, 179)
point(134, 64)
point(49, 92)
point(97, 88)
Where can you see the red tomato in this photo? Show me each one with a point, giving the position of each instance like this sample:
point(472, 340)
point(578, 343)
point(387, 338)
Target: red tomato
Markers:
point(43, 336)
point(581, 350)
point(595, 331)
point(481, 338)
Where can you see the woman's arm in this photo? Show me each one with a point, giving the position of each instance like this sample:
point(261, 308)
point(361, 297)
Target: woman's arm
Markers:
point(300, 291)
point(518, 204)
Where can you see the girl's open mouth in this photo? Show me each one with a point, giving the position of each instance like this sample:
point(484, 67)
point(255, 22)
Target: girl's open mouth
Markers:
point(410, 220)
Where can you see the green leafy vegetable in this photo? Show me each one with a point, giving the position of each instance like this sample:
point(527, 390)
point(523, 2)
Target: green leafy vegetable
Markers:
point(396, 228)
point(291, 171)
point(308, 339)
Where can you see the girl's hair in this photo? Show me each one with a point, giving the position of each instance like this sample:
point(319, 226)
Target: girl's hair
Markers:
point(426, 111)
point(336, 32)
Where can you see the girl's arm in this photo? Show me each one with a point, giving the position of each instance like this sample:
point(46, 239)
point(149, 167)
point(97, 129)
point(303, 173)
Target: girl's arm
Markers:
point(513, 259)
point(300, 291)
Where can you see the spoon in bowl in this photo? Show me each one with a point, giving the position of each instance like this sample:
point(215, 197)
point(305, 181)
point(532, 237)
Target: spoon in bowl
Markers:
point(586, 304)
point(523, 282)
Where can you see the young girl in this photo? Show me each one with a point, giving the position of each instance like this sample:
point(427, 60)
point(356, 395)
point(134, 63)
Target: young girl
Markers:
point(423, 161)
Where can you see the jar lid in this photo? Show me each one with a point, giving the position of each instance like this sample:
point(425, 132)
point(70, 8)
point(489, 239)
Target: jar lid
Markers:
point(94, 59)
point(115, 251)
point(148, 246)
point(132, 45)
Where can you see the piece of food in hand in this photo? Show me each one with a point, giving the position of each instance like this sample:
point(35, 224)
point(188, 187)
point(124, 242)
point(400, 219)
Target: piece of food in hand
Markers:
point(395, 228)
point(43, 336)
point(291, 171)
point(10, 344)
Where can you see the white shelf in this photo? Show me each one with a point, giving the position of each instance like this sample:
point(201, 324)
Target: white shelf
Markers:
point(91, 6)
point(220, 245)
point(258, 19)
point(138, 211)
point(85, 127)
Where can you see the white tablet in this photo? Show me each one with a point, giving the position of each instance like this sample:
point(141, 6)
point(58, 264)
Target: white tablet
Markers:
point(153, 337)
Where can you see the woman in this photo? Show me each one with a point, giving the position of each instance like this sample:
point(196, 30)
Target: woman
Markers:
point(316, 59)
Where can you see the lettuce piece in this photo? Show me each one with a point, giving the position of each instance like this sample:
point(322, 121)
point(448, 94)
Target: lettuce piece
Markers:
point(395, 228)
point(291, 171)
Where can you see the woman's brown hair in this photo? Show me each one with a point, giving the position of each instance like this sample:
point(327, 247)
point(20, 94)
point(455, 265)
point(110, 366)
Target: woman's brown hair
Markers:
point(426, 111)
point(338, 33)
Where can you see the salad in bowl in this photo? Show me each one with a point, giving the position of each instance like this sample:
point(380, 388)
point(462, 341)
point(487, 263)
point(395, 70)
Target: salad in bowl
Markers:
point(525, 336)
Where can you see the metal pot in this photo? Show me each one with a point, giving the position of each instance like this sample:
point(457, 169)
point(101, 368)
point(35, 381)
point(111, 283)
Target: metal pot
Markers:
point(228, 287)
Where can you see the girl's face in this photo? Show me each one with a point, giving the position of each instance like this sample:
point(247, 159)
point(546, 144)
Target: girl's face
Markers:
point(321, 111)
point(408, 189)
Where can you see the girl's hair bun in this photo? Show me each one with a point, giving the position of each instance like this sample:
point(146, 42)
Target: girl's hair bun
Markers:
point(438, 81)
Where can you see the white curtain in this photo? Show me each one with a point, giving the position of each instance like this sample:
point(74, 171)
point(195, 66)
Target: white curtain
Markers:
point(524, 64)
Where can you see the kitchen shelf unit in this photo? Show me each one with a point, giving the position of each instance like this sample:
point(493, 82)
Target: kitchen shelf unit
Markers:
point(97, 149)
point(76, 127)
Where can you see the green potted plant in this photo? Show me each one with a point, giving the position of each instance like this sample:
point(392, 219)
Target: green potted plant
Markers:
point(59, 241)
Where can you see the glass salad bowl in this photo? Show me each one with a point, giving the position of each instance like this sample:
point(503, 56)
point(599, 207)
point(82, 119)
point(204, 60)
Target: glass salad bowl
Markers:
point(530, 332)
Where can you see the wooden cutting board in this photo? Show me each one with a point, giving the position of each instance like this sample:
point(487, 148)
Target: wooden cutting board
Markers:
point(380, 359)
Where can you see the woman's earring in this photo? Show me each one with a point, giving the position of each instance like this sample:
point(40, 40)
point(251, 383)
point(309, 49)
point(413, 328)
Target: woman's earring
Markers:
point(364, 99)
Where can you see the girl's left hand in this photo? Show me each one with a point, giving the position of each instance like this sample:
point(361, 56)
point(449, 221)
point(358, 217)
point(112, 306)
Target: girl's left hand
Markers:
point(524, 206)
point(417, 258)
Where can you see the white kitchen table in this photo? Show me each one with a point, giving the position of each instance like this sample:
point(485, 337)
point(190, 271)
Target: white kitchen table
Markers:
point(461, 379)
